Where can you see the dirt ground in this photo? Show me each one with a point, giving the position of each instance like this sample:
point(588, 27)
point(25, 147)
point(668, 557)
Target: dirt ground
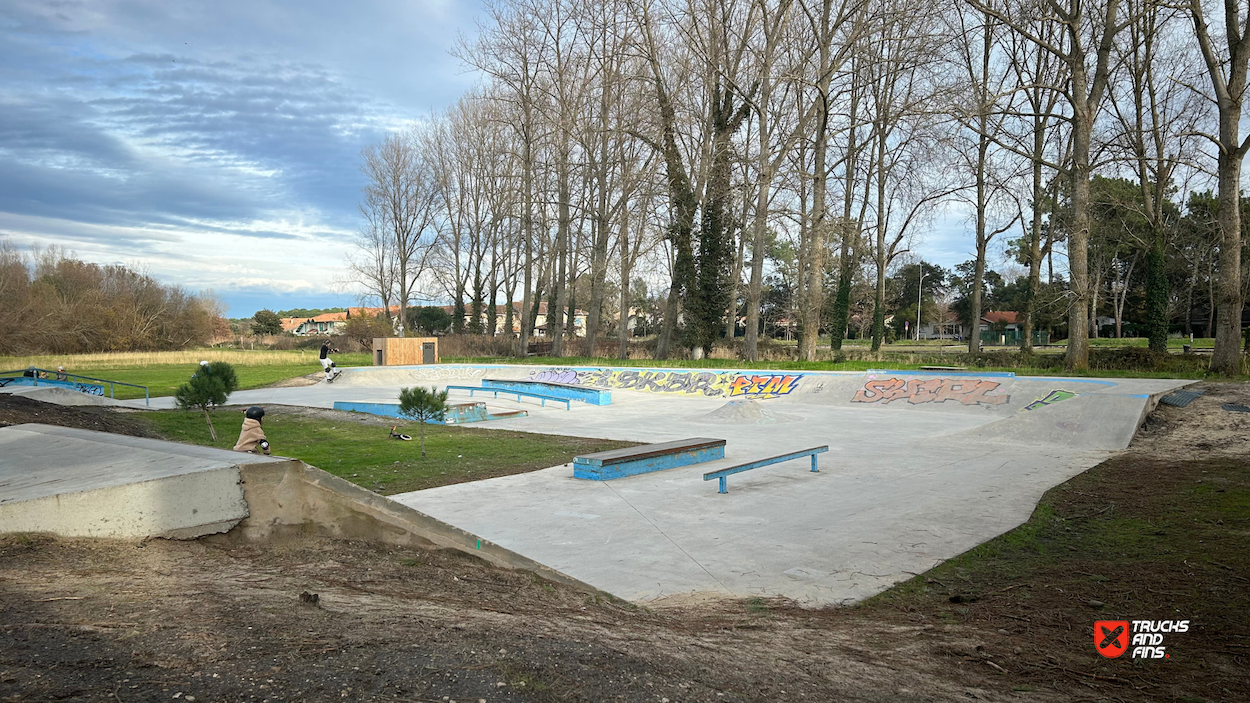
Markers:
point(1159, 531)
point(17, 410)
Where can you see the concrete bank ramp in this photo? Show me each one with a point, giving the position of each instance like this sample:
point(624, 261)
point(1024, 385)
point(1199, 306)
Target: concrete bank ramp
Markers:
point(65, 396)
point(95, 484)
point(84, 483)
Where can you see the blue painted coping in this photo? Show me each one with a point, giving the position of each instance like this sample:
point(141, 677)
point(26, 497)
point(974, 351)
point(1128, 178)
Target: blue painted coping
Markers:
point(455, 415)
point(88, 388)
point(652, 457)
point(593, 396)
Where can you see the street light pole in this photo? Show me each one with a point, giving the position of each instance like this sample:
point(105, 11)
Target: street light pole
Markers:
point(919, 297)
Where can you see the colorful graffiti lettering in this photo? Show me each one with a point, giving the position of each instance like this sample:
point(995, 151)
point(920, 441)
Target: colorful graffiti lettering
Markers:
point(705, 383)
point(1052, 397)
point(936, 390)
point(765, 386)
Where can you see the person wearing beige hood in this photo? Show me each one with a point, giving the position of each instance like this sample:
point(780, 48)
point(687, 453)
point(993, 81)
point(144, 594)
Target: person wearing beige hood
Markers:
point(252, 437)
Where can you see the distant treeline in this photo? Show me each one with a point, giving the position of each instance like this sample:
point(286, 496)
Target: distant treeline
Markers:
point(52, 303)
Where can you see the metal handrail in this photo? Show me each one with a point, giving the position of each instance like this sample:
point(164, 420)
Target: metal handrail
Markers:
point(65, 377)
point(724, 474)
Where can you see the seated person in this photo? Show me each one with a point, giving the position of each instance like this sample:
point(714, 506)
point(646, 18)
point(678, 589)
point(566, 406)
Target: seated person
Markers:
point(252, 437)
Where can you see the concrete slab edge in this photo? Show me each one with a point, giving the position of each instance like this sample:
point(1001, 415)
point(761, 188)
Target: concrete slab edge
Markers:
point(293, 498)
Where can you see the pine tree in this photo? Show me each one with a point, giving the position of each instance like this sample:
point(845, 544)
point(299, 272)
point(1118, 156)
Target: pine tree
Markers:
point(208, 388)
point(423, 405)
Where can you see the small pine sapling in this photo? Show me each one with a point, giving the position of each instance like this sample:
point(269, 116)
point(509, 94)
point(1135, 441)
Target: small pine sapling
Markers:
point(208, 388)
point(422, 405)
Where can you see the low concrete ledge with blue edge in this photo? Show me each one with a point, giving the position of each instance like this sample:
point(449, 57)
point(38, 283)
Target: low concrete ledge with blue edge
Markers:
point(592, 396)
point(619, 463)
point(724, 474)
point(544, 397)
point(456, 414)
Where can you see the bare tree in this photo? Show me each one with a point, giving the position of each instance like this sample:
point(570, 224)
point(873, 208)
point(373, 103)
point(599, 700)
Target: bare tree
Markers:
point(400, 188)
point(1226, 68)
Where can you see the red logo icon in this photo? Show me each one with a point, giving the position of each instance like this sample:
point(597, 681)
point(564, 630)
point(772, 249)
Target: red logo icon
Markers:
point(1111, 637)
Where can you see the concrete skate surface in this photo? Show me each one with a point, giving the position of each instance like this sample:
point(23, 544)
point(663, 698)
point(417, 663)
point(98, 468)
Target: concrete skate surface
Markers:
point(921, 467)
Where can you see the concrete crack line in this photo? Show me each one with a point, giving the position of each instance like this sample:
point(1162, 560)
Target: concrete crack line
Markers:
point(670, 539)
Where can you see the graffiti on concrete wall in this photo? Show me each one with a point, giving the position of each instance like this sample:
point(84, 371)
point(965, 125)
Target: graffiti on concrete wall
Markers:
point(1051, 398)
point(766, 386)
point(969, 391)
point(89, 388)
point(440, 373)
point(705, 383)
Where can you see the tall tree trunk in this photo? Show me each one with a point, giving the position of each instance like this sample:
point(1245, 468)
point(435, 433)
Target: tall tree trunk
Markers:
point(623, 351)
point(814, 287)
point(1035, 250)
point(882, 256)
point(1078, 239)
point(555, 313)
point(1226, 360)
point(735, 285)
point(851, 230)
point(527, 231)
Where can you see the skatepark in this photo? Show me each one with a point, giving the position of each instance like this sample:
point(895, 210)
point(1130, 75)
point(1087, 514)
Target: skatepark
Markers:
point(920, 467)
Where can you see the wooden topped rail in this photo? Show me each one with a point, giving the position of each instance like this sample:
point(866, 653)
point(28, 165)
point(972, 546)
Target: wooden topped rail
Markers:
point(723, 474)
point(618, 463)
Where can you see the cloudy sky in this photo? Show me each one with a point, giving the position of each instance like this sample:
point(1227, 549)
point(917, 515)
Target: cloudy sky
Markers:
point(216, 144)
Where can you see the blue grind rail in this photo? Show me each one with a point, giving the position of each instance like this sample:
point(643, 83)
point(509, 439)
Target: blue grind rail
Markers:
point(619, 463)
point(591, 396)
point(724, 474)
point(544, 397)
point(87, 385)
point(455, 414)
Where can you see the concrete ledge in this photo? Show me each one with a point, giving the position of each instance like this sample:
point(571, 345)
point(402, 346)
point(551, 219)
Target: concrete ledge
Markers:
point(619, 463)
point(457, 413)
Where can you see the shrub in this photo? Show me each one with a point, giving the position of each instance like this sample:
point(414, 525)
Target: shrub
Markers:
point(209, 387)
point(423, 405)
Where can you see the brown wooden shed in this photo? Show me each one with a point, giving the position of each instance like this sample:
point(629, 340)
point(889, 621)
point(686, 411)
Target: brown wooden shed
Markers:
point(405, 351)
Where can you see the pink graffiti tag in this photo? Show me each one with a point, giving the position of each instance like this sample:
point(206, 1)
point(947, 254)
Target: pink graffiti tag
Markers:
point(936, 390)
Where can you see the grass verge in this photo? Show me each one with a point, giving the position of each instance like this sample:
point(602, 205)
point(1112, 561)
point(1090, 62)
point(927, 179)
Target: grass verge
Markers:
point(1135, 538)
point(359, 449)
point(163, 372)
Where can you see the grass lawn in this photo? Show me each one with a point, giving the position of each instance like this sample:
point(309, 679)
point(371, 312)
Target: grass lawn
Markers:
point(163, 372)
point(359, 450)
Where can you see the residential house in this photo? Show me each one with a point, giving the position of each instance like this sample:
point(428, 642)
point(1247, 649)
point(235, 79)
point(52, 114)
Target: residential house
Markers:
point(999, 327)
point(326, 323)
point(540, 320)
